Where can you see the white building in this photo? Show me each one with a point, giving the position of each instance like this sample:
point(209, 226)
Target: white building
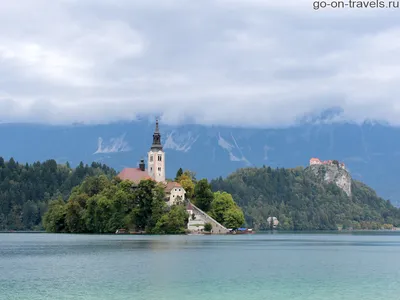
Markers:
point(275, 221)
point(175, 193)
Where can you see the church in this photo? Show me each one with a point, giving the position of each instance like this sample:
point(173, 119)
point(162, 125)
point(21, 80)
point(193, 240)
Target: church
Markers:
point(155, 171)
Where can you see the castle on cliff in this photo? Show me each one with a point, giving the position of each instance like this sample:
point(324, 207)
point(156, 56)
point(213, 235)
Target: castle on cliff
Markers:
point(317, 161)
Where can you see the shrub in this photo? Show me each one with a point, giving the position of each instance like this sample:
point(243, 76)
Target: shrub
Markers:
point(207, 227)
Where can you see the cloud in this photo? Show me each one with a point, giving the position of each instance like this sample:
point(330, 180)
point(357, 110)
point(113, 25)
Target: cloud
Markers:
point(229, 62)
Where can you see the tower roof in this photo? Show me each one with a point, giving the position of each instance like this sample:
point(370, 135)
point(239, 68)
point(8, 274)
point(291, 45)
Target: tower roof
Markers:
point(156, 139)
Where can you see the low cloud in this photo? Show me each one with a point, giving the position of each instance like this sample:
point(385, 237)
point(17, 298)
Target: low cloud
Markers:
point(229, 62)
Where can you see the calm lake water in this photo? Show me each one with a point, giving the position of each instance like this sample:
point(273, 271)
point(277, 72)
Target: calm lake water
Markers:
point(270, 266)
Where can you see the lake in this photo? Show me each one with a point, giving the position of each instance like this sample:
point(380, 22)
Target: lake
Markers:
point(245, 267)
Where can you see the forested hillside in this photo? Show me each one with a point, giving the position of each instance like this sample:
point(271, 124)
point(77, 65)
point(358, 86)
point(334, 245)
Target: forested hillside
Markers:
point(26, 190)
point(301, 201)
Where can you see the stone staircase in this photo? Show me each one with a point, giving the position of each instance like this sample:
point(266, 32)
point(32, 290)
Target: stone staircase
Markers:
point(201, 218)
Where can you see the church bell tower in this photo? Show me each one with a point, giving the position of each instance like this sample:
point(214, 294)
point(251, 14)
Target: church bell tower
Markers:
point(156, 157)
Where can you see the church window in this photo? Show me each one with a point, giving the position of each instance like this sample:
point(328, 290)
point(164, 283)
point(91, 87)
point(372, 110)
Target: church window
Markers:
point(151, 168)
point(159, 158)
point(151, 158)
point(159, 169)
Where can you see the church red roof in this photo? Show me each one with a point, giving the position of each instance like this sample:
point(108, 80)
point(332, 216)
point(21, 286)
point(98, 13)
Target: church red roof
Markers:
point(133, 174)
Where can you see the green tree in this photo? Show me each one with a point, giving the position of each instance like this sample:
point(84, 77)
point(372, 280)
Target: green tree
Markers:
point(203, 195)
point(54, 219)
point(208, 227)
point(30, 214)
point(221, 203)
point(178, 174)
point(173, 222)
point(191, 175)
point(74, 217)
point(233, 218)
point(225, 210)
point(150, 205)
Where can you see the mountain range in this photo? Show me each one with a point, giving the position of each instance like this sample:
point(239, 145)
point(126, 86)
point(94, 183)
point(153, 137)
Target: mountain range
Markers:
point(370, 151)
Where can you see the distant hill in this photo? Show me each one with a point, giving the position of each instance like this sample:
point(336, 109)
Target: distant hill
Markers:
point(304, 200)
point(371, 152)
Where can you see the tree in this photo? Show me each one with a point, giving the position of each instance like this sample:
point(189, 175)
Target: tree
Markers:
point(29, 214)
point(54, 219)
point(150, 205)
point(74, 217)
point(173, 222)
point(233, 218)
point(208, 227)
point(188, 185)
point(203, 195)
point(191, 175)
point(221, 203)
point(226, 211)
point(178, 174)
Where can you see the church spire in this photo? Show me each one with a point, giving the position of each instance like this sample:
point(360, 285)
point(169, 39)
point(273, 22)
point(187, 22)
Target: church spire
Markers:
point(157, 129)
point(156, 138)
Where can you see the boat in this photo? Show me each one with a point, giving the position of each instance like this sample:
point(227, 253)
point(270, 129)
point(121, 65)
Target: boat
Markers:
point(242, 231)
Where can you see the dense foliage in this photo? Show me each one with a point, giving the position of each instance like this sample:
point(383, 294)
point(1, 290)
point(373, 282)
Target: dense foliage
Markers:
point(26, 189)
point(226, 211)
point(101, 205)
point(218, 205)
point(302, 201)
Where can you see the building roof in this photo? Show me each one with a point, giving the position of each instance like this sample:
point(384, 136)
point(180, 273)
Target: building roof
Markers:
point(314, 159)
point(133, 174)
point(170, 185)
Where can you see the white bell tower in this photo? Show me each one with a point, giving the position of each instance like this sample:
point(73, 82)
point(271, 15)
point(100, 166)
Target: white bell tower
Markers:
point(156, 158)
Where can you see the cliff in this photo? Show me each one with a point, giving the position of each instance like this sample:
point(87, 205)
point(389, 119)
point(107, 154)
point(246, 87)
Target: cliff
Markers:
point(333, 174)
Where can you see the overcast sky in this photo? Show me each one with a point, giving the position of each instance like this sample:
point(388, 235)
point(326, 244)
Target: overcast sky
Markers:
point(229, 62)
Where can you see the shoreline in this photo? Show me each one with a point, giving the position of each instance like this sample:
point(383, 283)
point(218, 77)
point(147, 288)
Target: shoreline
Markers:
point(256, 233)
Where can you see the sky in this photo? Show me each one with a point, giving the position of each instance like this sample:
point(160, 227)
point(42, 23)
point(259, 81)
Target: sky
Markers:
point(224, 62)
